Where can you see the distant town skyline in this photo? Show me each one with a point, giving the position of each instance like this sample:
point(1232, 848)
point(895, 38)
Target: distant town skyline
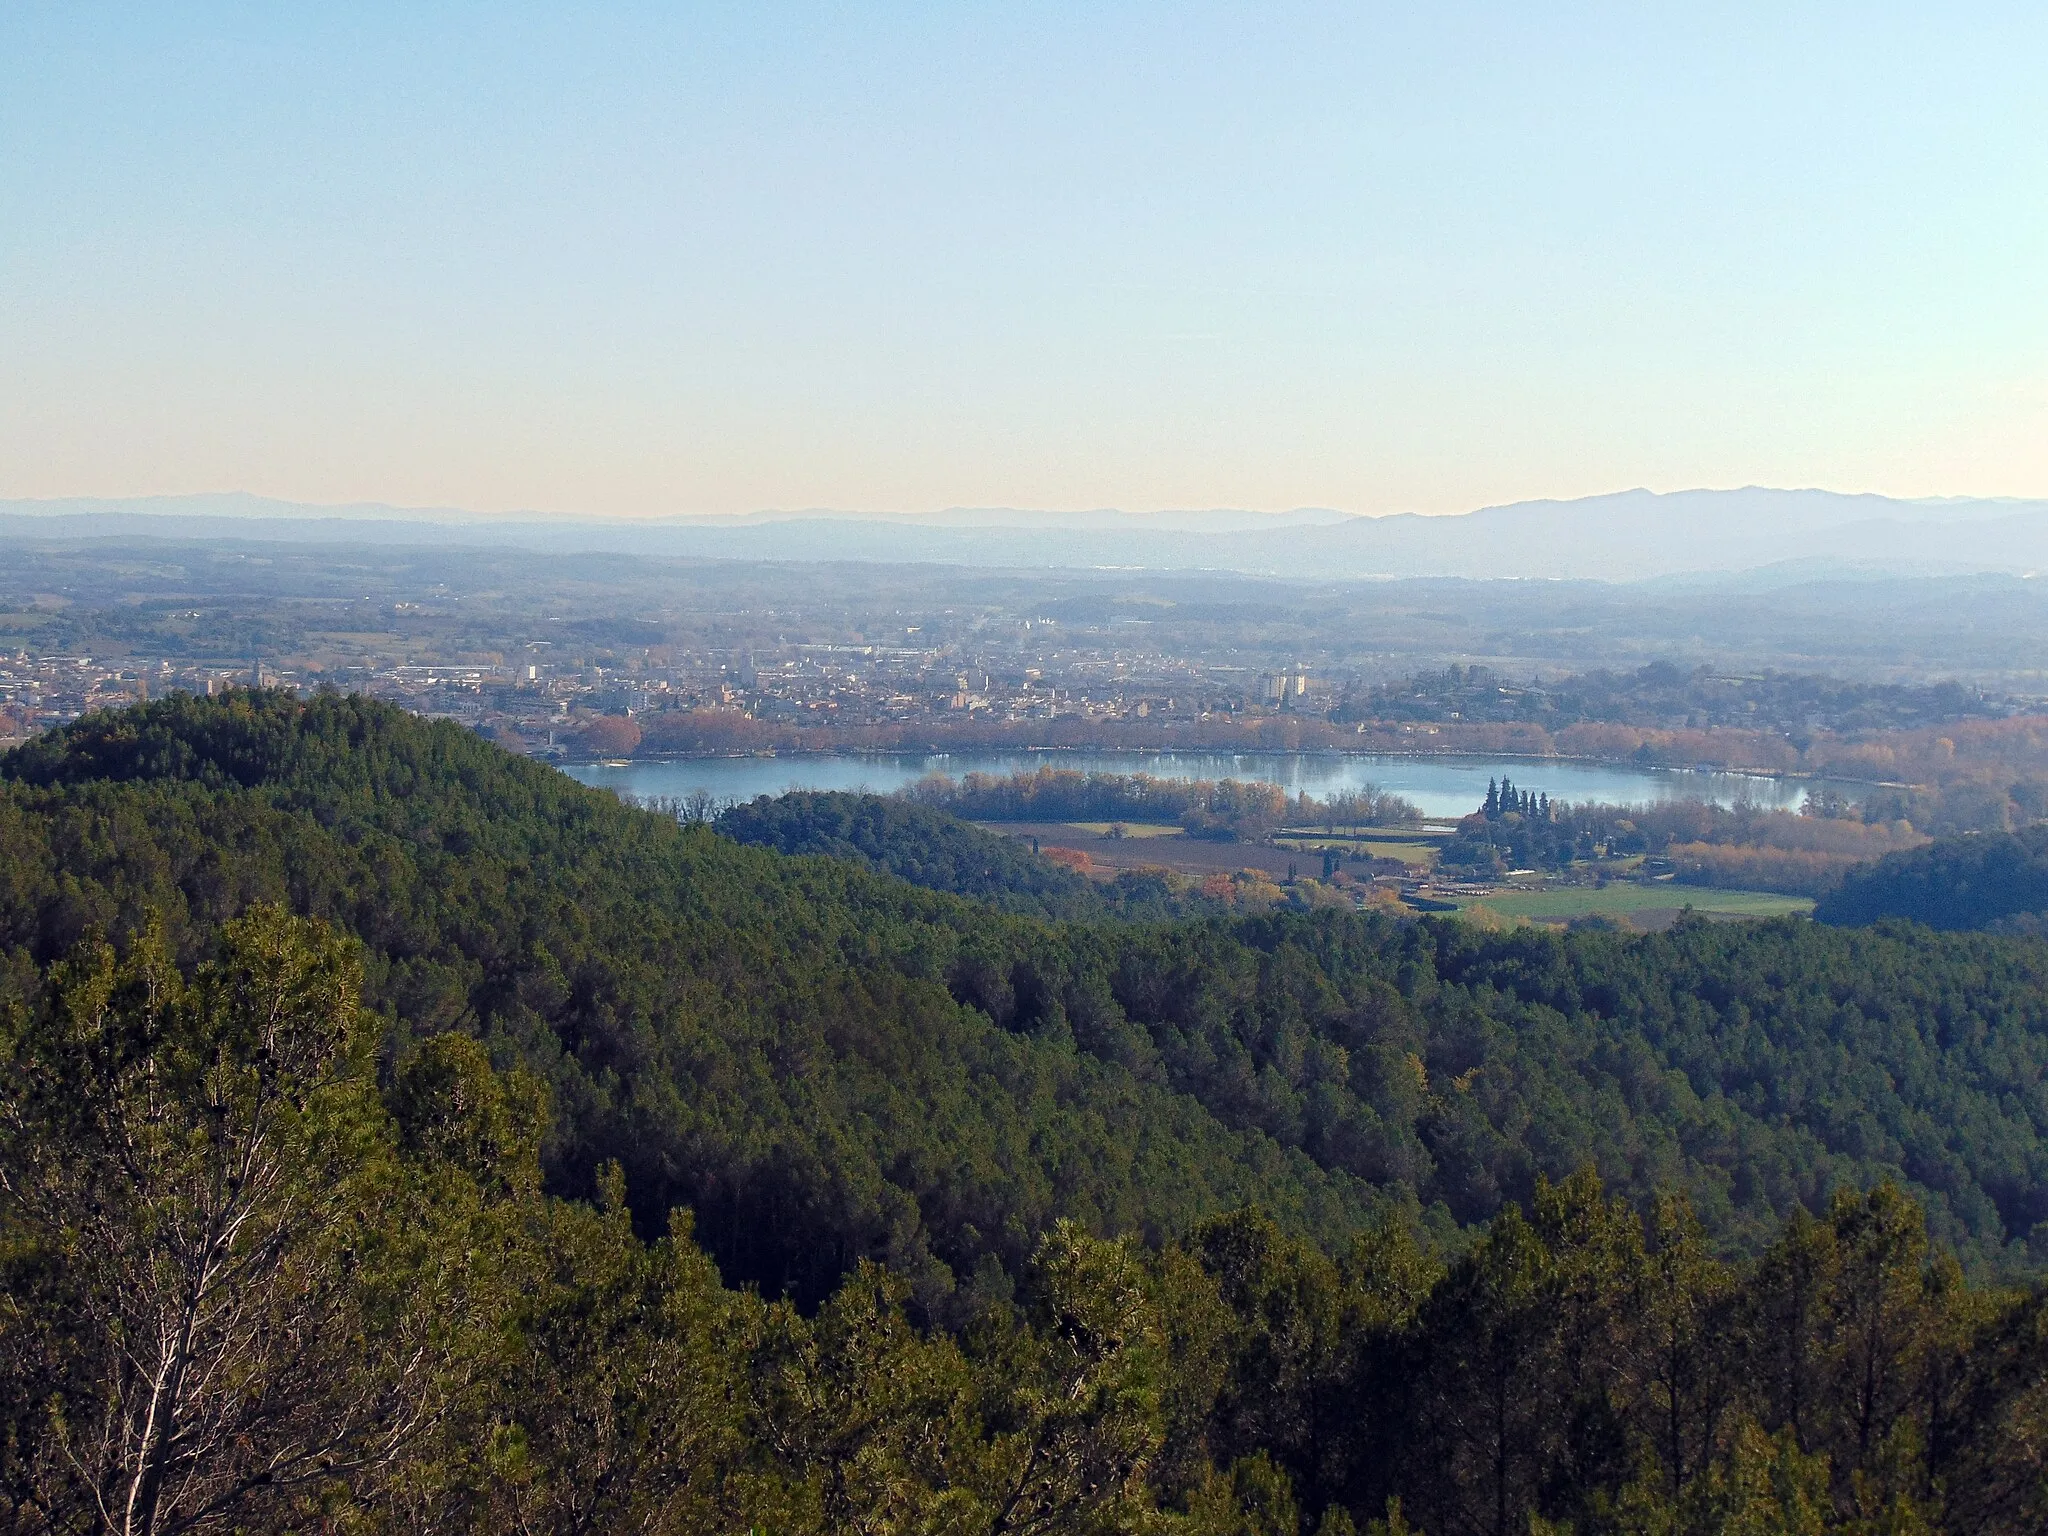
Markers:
point(659, 261)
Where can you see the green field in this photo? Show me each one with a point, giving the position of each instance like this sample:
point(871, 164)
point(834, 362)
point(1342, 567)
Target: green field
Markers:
point(1564, 902)
point(1132, 829)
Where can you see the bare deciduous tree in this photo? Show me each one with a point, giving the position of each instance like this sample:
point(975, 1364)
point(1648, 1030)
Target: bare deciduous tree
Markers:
point(207, 1174)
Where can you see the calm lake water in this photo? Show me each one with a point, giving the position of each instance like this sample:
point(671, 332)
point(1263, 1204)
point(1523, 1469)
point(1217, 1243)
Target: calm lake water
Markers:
point(1442, 786)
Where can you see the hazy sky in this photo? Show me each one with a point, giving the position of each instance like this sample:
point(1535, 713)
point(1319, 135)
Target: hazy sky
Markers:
point(694, 258)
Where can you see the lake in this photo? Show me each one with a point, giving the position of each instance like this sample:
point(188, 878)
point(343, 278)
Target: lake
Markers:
point(1441, 786)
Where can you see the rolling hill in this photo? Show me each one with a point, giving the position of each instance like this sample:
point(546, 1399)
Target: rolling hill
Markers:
point(828, 1063)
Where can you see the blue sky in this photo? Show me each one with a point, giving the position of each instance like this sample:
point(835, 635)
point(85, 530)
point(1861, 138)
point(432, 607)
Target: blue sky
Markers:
point(662, 259)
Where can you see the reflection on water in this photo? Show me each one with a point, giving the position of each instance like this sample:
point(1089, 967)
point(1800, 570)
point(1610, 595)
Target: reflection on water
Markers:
point(1442, 786)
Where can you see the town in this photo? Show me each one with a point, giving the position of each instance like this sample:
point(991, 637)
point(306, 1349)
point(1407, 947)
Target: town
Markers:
point(594, 656)
point(553, 702)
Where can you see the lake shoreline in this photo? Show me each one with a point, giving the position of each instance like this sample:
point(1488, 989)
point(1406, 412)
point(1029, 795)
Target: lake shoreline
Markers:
point(1445, 785)
point(796, 754)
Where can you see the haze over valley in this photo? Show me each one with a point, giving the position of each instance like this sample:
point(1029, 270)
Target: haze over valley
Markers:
point(1628, 536)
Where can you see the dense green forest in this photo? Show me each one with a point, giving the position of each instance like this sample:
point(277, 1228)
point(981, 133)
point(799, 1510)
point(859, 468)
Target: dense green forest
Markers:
point(996, 1221)
point(256, 1281)
point(1979, 880)
point(775, 1042)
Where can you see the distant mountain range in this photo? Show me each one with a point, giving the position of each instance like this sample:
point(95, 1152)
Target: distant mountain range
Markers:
point(1628, 536)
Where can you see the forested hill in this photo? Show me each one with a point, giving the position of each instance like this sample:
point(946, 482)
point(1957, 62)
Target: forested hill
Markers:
point(826, 1063)
point(769, 1041)
point(941, 852)
point(923, 846)
point(1968, 882)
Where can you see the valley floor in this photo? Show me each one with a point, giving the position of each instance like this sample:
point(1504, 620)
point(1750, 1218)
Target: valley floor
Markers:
point(1397, 860)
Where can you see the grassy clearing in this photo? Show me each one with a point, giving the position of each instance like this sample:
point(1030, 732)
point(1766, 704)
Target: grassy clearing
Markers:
point(1565, 902)
point(1407, 853)
point(1131, 828)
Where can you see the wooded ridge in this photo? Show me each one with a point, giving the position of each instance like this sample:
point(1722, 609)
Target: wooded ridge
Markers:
point(996, 1220)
